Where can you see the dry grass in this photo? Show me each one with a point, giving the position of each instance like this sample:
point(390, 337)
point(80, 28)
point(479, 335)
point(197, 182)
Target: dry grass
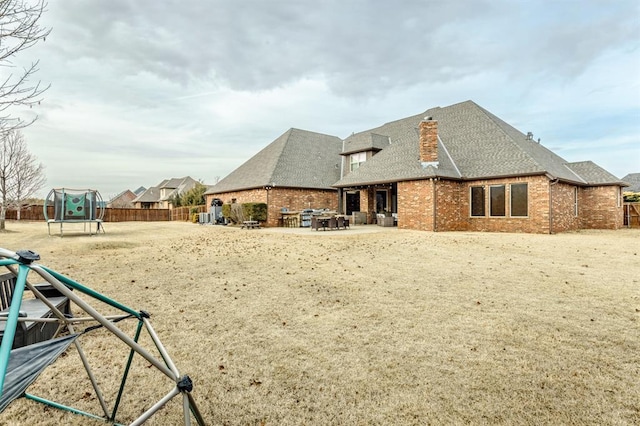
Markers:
point(361, 328)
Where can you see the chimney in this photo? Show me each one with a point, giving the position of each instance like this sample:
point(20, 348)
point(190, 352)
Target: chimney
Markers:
point(429, 142)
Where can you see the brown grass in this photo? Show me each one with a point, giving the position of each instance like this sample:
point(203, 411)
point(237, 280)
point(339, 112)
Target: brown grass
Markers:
point(368, 326)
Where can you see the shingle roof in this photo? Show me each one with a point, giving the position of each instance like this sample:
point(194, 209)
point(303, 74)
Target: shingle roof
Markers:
point(473, 144)
point(296, 159)
point(151, 195)
point(178, 185)
point(633, 179)
point(365, 141)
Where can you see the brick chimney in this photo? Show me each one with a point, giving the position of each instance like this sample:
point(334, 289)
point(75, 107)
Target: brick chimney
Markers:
point(429, 141)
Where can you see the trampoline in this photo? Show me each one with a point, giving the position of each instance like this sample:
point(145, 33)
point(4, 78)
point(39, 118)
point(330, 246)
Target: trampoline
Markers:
point(75, 206)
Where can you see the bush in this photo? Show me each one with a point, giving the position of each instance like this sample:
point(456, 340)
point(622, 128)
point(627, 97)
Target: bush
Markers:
point(631, 197)
point(255, 211)
point(236, 213)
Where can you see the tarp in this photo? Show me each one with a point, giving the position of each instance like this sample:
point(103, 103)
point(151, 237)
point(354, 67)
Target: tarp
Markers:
point(26, 364)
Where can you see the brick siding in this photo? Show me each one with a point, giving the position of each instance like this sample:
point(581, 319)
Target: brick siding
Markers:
point(294, 199)
point(415, 205)
point(601, 207)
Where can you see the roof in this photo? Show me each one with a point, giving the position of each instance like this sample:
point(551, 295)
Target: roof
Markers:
point(151, 195)
point(172, 186)
point(473, 144)
point(633, 179)
point(296, 159)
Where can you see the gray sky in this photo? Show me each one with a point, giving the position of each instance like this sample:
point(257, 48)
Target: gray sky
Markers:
point(145, 90)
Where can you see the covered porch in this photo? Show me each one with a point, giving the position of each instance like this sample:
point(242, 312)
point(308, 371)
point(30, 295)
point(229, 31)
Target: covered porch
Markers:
point(370, 204)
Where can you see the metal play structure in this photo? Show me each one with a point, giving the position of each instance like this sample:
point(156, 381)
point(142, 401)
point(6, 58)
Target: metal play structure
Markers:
point(41, 320)
point(75, 206)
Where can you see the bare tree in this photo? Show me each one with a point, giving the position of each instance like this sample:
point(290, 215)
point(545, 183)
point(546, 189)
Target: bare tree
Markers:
point(19, 30)
point(21, 176)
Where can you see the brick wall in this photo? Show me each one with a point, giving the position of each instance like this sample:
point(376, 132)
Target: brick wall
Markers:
point(415, 205)
point(368, 201)
point(294, 199)
point(564, 216)
point(601, 207)
point(451, 194)
point(429, 141)
point(451, 204)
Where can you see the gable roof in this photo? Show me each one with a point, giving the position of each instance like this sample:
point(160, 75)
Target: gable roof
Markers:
point(173, 185)
point(633, 179)
point(472, 144)
point(296, 159)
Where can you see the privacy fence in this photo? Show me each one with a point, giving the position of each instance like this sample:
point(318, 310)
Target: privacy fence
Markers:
point(632, 215)
point(117, 215)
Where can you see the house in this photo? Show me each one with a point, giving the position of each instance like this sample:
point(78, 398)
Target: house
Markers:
point(633, 179)
point(124, 200)
point(454, 168)
point(294, 172)
point(159, 197)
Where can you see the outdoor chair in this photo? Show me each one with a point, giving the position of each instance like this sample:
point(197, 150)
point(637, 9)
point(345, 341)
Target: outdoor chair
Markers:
point(333, 223)
point(340, 222)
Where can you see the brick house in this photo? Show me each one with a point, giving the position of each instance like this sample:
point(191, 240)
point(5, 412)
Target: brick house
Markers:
point(294, 172)
point(455, 168)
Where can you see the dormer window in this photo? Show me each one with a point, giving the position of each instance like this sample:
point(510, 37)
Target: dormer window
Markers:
point(356, 159)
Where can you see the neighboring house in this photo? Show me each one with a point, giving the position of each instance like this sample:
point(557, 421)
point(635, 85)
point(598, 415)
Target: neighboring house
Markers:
point(159, 197)
point(459, 168)
point(294, 172)
point(633, 179)
point(123, 200)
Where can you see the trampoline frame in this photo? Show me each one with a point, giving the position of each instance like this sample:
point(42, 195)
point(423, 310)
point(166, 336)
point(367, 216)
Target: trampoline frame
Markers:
point(65, 207)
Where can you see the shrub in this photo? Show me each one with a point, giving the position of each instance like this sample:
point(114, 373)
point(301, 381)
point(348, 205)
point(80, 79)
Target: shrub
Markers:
point(236, 213)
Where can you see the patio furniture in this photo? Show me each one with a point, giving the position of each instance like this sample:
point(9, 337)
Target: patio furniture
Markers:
point(250, 224)
point(32, 330)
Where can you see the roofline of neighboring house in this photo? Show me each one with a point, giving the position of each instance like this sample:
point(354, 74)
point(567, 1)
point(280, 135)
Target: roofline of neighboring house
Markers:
point(263, 187)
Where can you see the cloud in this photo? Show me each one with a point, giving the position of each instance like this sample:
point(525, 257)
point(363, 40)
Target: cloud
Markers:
point(138, 87)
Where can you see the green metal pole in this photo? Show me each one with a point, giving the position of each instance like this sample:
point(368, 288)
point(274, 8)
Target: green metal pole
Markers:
point(65, 408)
point(86, 290)
point(126, 372)
point(12, 322)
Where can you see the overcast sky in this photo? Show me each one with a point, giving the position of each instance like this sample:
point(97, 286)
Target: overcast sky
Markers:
point(146, 90)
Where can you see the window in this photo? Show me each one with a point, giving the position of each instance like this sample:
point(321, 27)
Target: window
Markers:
point(477, 201)
point(575, 201)
point(357, 159)
point(519, 199)
point(497, 200)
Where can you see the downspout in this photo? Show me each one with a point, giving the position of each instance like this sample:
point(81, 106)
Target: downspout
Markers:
point(340, 190)
point(551, 183)
point(435, 204)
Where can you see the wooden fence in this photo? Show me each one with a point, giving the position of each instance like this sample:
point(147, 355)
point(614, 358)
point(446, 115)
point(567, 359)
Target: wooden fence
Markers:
point(632, 215)
point(184, 213)
point(36, 213)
